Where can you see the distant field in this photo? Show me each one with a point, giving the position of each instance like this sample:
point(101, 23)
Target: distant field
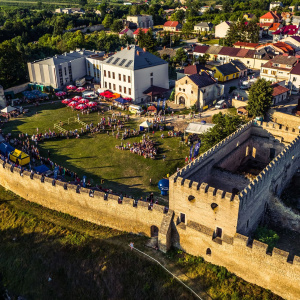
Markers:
point(26, 2)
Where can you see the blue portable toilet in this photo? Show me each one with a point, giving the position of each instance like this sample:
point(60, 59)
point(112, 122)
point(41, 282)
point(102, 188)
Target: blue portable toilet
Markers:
point(163, 185)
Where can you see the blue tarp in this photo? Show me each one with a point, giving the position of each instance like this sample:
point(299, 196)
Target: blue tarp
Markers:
point(6, 148)
point(121, 100)
point(41, 169)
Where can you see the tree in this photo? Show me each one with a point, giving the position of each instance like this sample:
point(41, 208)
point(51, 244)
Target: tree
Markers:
point(187, 28)
point(267, 236)
point(203, 59)
point(260, 98)
point(178, 16)
point(180, 56)
point(108, 21)
point(83, 2)
point(116, 26)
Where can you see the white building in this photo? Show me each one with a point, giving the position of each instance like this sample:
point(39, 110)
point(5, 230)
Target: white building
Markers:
point(142, 21)
point(133, 72)
point(203, 26)
point(222, 29)
point(275, 4)
point(294, 81)
point(61, 70)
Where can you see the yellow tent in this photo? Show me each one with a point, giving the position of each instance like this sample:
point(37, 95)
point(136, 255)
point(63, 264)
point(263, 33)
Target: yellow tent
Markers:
point(22, 157)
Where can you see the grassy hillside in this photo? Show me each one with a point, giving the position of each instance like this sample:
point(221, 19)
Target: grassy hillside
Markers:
point(48, 255)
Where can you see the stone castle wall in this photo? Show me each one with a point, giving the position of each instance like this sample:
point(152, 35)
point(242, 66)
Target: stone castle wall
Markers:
point(64, 198)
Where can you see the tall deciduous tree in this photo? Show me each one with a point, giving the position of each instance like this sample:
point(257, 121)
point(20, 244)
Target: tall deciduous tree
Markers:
point(260, 98)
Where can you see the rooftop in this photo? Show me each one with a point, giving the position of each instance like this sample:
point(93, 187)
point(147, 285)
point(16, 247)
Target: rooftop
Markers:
point(245, 44)
point(171, 24)
point(203, 79)
point(134, 58)
point(279, 89)
point(270, 15)
point(227, 69)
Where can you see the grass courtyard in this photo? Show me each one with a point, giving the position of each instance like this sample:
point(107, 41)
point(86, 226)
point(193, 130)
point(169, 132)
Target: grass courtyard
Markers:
point(95, 156)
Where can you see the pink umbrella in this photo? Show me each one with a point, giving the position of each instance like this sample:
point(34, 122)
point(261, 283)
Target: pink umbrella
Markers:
point(91, 104)
point(83, 101)
point(71, 87)
point(59, 94)
point(76, 98)
point(81, 106)
point(73, 104)
point(80, 89)
point(66, 101)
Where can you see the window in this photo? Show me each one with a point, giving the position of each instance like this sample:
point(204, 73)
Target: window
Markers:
point(124, 78)
point(265, 71)
point(120, 89)
point(192, 92)
point(151, 74)
point(120, 77)
point(208, 251)
point(182, 218)
point(273, 72)
point(129, 91)
point(151, 81)
point(186, 82)
point(219, 232)
point(110, 86)
point(179, 89)
point(248, 62)
point(247, 225)
point(113, 75)
point(226, 77)
point(233, 75)
point(129, 79)
point(104, 73)
point(124, 90)
point(294, 78)
point(108, 74)
point(183, 90)
point(114, 87)
point(65, 70)
point(105, 84)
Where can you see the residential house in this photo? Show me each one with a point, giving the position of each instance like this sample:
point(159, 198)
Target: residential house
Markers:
point(243, 70)
point(204, 9)
point(219, 7)
point(136, 32)
point(280, 92)
point(127, 32)
point(203, 26)
point(133, 72)
point(70, 11)
point(197, 90)
point(222, 29)
point(168, 52)
point(275, 4)
point(293, 41)
point(278, 68)
point(296, 20)
point(141, 21)
point(284, 32)
point(249, 17)
point(213, 52)
point(200, 50)
point(226, 54)
point(226, 72)
point(270, 28)
point(277, 48)
point(61, 70)
point(294, 8)
point(172, 26)
point(294, 80)
point(270, 17)
point(191, 70)
point(287, 17)
point(245, 45)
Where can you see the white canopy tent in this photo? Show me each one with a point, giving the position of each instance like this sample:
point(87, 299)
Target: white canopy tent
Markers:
point(8, 109)
point(146, 124)
point(198, 128)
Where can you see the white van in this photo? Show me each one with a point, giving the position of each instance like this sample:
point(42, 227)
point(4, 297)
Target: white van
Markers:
point(135, 109)
point(220, 104)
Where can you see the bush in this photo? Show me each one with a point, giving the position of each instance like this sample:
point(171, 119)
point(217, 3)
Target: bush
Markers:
point(267, 236)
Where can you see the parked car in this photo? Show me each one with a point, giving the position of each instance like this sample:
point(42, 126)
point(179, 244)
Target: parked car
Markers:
point(221, 104)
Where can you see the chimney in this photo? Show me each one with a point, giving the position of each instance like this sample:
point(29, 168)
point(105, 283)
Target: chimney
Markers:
point(144, 49)
point(137, 52)
point(128, 47)
point(122, 48)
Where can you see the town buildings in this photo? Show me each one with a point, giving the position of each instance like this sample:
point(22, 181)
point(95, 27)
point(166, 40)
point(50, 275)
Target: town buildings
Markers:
point(133, 72)
point(275, 4)
point(280, 92)
point(278, 68)
point(141, 21)
point(61, 70)
point(226, 72)
point(285, 31)
point(172, 26)
point(203, 26)
point(269, 17)
point(198, 90)
point(127, 32)
point(294, 79)
point(70, 11)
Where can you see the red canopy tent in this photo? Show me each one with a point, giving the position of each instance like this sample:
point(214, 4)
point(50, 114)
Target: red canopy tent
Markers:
point(107, 94)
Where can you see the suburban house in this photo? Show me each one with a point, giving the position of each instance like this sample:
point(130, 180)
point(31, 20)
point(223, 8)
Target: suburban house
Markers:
point(280, 92)
point(141, 21)
point(227, 54)
point(127, 32)
point(294, 80)
point(226, 72)
point(197, 90)
point(275, 4)
point(245, 45)
point(203, 26)
point(285, 31)
point(219, 7)
point(243, 70)
point(222, 29)
point(278, 68)
point(191, 70)
point(136, 32)
point(270, 28)
point(64, 69)
point(277, 48)
point(293, 41)
point(249, 17)
point(213, 52)
point(269, 17)
point(204, 9)
point(172, 26)
point(133, 72)
point(200, 51)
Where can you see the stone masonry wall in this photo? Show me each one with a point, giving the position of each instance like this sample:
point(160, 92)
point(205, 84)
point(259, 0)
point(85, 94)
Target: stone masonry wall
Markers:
point(124, 217)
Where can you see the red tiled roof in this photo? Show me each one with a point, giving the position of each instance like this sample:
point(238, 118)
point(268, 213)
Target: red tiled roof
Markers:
point(171, 24)
point(284, 46)
point(250, 54)
point(201, 49)
point(242, 53)
point(274, 26)
point(270, 15)
point(288, 29)
point(266, 24)
point(143, 29)
point(124, 31)
point(296, 69)
point(278, 89)
point(245, 44)
point(194, 69)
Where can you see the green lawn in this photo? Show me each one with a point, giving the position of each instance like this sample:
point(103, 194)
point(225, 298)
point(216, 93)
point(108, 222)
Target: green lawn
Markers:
point(211, 42)
point(96, 156)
